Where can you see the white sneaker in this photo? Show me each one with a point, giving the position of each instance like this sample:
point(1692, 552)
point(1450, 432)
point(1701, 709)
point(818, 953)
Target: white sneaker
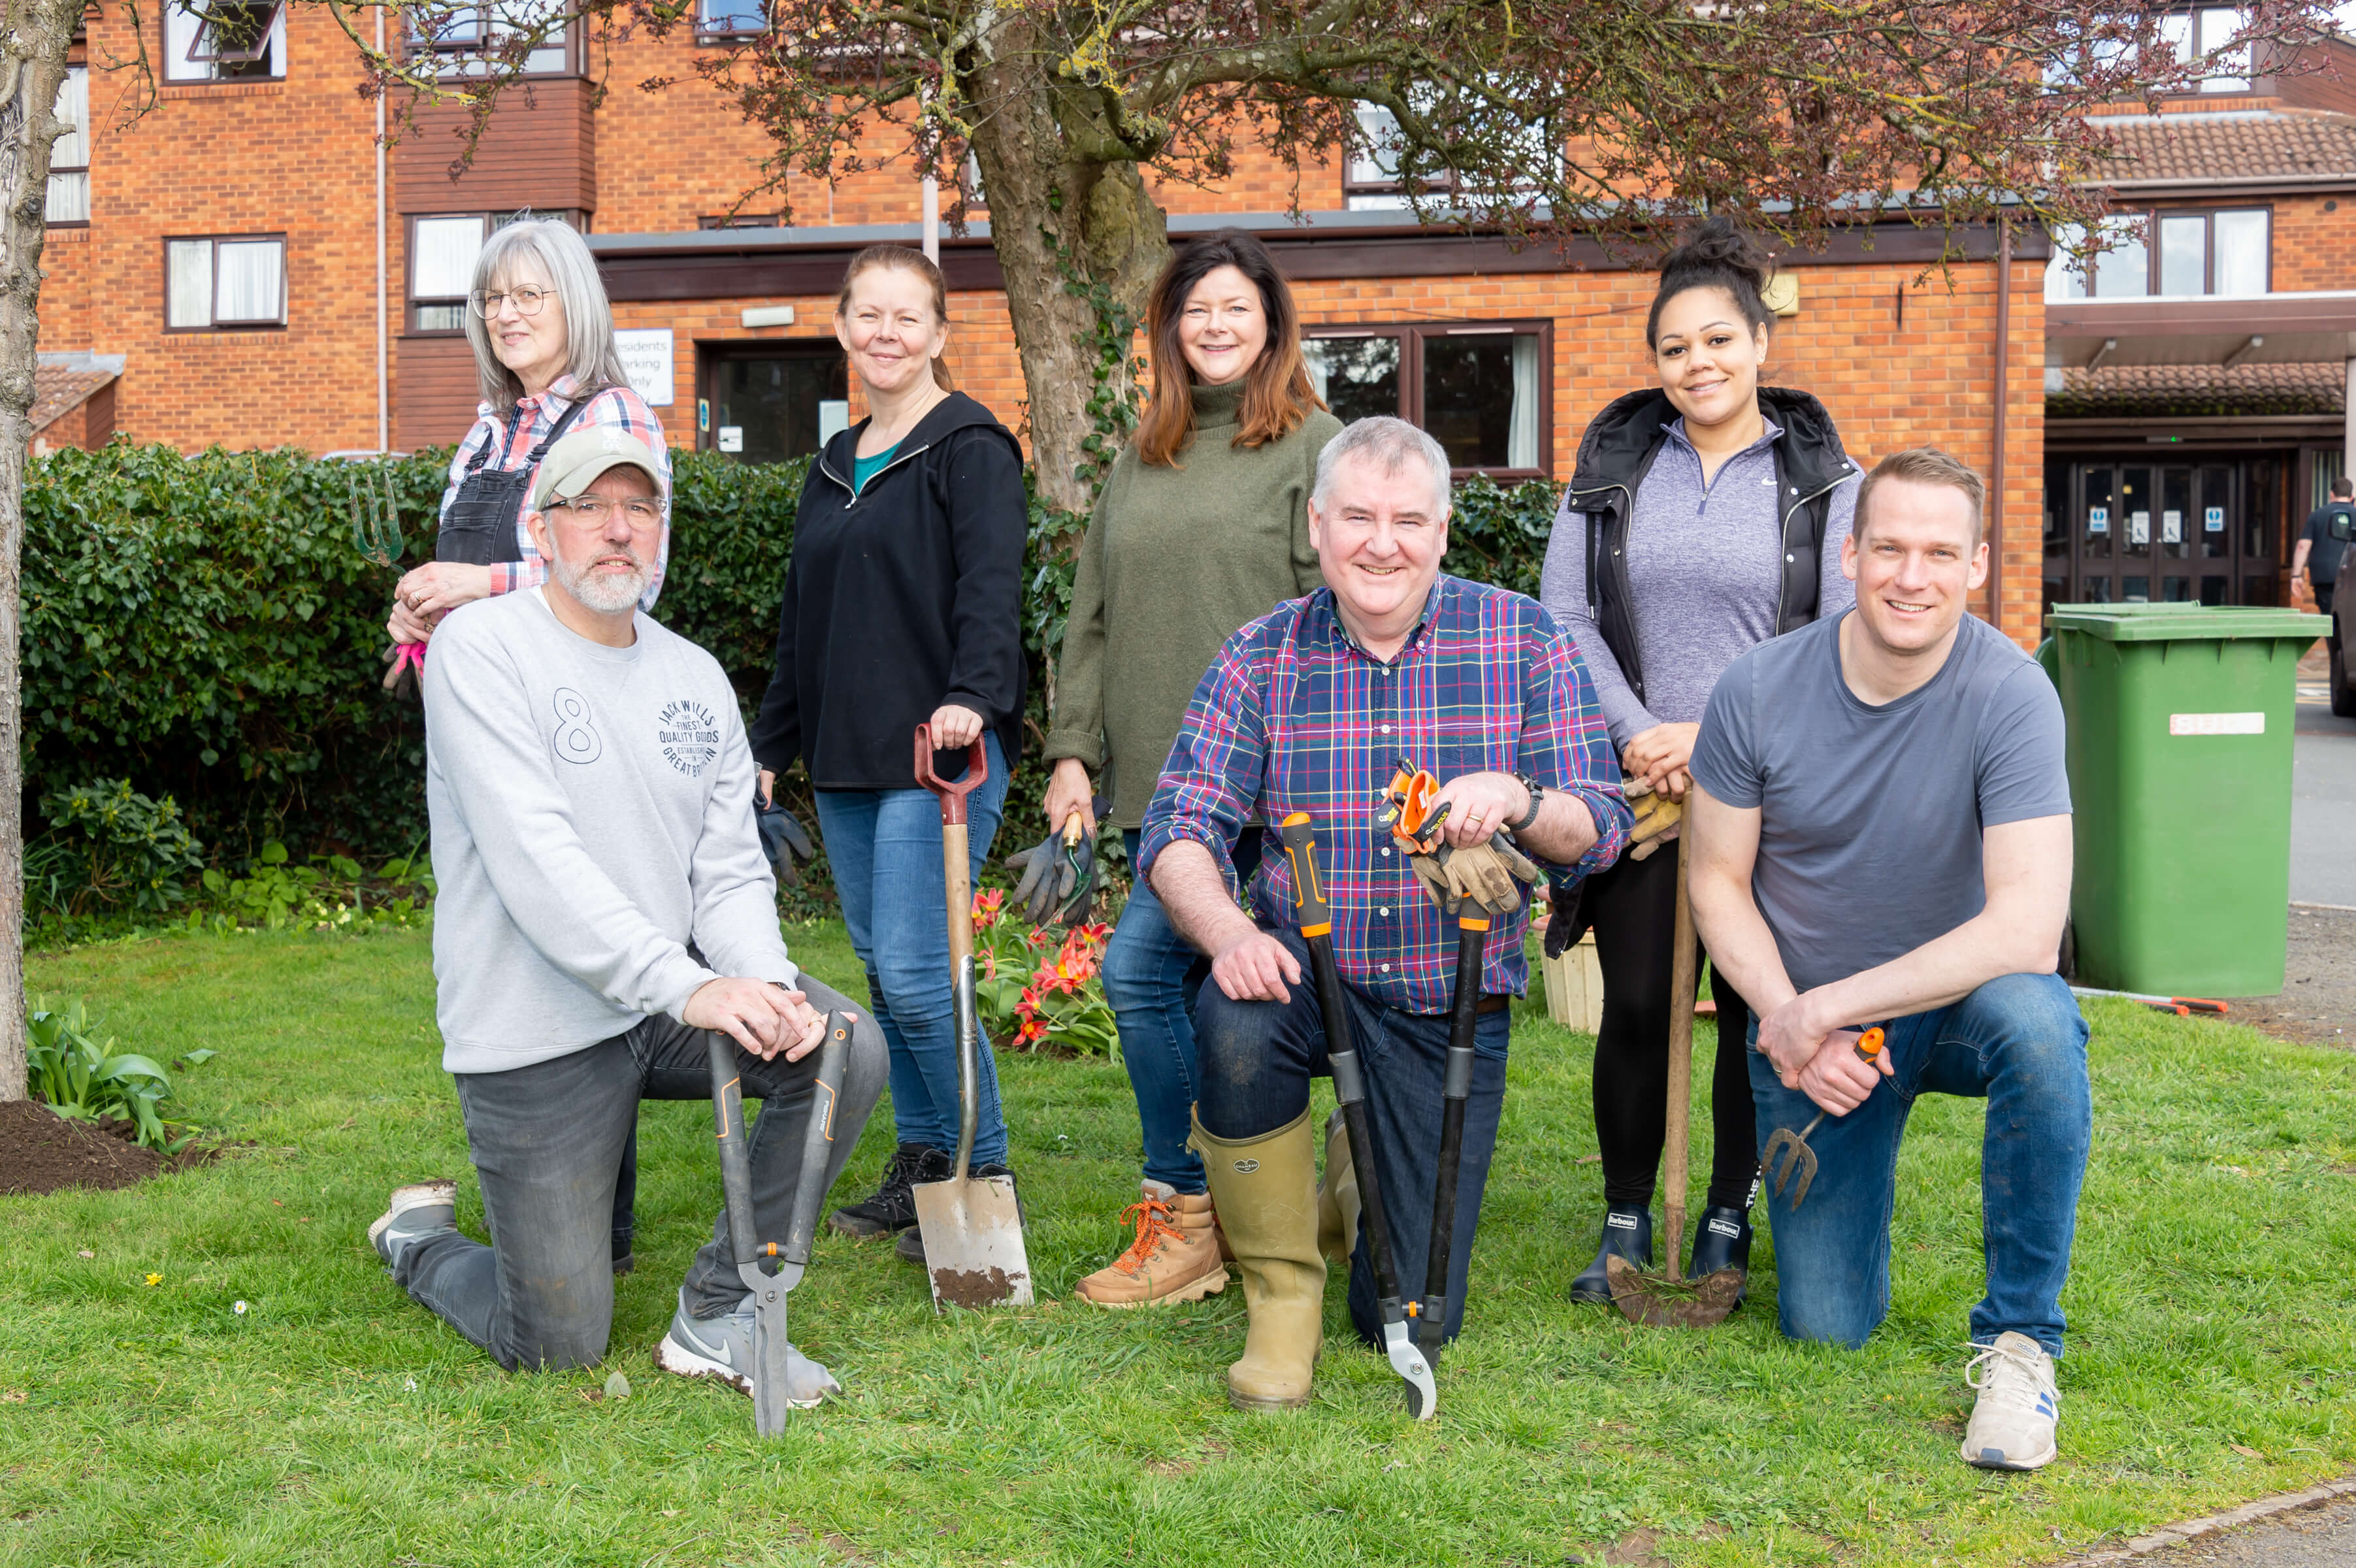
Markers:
point(2013, 1423)
point(411, 1214)
point(721, 1348)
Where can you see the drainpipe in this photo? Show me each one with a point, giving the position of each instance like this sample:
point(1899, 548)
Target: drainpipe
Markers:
point(2003, 411)
point(383, 398)
point(2348, 424)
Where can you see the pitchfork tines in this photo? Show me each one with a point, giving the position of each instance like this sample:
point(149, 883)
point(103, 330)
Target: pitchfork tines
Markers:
point(1787, 1155)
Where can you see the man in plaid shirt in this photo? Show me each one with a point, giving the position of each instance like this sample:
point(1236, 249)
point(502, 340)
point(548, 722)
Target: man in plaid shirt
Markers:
point(1305, 710)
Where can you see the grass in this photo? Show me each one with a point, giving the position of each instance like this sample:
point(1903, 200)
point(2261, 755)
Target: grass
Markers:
point(336, 1422)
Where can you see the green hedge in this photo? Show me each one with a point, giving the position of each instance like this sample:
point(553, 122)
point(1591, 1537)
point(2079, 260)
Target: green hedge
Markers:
point(206, 628)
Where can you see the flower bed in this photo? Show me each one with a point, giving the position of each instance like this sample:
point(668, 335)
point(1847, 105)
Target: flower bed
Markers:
point(1063, 1001)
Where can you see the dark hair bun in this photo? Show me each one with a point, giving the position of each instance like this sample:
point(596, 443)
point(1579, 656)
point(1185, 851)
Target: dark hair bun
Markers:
point(1720, 254)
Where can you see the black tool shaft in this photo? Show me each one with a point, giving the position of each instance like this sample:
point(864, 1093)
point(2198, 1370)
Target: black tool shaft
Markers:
point(1316, 917)
point(1472, 942)
point(818, 1139)
point(735, 1154)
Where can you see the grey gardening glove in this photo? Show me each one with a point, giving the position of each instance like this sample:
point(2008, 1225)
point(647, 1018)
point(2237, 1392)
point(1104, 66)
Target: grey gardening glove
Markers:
point(784, 841)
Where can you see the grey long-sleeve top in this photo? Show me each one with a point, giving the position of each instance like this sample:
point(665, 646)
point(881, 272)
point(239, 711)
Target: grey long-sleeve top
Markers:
point(1704, 565)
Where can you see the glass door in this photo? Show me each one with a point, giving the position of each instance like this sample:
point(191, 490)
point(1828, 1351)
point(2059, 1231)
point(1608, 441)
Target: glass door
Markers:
point(2140, 533)
point(767, 404)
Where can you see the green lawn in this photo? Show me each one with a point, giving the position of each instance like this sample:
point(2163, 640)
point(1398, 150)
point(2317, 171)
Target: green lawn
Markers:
point(336, 1422)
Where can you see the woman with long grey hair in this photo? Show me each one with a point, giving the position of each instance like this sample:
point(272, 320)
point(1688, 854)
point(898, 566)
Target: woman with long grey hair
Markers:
point(544, 339)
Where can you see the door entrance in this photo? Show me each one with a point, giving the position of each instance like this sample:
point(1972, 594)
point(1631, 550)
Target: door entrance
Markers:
point(767, 403)
point(2135, 532)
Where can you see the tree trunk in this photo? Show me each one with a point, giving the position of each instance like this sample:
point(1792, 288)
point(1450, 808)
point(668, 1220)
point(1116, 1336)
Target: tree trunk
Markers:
point(1064, 224)
point(32, 67)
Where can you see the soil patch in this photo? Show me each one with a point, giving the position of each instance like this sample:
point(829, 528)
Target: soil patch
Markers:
point(2318, 1002)
point(42, 1151)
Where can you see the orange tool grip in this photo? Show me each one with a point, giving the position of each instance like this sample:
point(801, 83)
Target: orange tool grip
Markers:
point(1868, 1045)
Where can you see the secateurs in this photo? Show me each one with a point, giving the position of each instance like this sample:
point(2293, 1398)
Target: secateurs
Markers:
point(1792, 1148)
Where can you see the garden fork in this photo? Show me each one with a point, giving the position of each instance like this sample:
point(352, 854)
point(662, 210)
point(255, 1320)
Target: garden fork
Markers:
point(1792, 1147)
point(376, 519)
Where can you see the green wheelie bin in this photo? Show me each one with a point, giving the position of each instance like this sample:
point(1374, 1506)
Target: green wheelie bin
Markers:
point(2179, 725)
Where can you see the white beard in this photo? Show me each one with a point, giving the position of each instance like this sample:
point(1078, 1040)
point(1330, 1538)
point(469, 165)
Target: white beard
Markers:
point(603, 592)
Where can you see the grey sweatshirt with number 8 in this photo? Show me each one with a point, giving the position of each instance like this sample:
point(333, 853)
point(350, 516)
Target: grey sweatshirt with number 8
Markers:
point(593, 813)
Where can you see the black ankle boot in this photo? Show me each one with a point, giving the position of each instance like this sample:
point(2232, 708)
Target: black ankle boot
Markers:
point(1628, 1231)
point(893, 1207)
point(1721, 1240)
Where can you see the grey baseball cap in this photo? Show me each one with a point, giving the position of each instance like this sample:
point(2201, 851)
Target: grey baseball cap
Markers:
point(574, 463)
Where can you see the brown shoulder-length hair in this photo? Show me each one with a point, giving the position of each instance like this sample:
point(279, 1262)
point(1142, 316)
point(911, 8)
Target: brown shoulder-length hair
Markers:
point(1277, 392)
point(900, 258)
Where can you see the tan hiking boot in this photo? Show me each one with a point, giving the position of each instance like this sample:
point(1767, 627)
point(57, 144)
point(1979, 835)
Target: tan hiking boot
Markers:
point(1338, 1196)
point(1266, 1189)
point(1174, 1258)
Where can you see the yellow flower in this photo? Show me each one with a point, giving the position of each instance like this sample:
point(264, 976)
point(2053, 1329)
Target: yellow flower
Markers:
point(154, 1279)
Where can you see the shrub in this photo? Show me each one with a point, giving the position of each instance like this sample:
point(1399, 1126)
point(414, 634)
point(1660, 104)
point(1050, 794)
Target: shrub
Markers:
point(206, 624)
point(110, 847)
point(82, 1078)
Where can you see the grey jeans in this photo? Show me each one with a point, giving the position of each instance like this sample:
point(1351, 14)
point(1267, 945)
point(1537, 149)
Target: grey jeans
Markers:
point(547, 1141)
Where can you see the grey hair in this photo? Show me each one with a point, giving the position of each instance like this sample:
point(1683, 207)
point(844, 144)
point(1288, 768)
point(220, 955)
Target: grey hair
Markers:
point(590, 357)
point(1386, 443)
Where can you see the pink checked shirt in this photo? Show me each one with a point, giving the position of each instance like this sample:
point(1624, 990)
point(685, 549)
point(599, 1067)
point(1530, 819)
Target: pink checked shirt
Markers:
point(511, 448)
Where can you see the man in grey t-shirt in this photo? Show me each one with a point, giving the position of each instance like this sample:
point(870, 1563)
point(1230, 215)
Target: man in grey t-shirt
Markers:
point(603, 904)
point(1880, 826)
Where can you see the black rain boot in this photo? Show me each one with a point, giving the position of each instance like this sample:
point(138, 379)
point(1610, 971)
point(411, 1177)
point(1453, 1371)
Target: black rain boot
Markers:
point(894, 1207)
point(1721, 1240)
point(1627, 1230)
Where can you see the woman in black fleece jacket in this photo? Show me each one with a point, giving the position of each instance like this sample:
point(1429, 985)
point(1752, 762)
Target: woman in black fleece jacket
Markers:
point(903, 607)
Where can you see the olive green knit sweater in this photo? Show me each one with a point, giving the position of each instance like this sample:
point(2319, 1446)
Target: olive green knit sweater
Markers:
point(1176, 561)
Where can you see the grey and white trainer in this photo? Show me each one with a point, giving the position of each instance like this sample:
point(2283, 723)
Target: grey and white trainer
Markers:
point(721, 1348)
point(2013, 1424)
point(414, 1212)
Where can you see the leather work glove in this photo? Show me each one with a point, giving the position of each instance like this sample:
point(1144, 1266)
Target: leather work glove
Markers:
point(784, 841)
point(1059, 875)
point(1491, 875)
point(1658, 820)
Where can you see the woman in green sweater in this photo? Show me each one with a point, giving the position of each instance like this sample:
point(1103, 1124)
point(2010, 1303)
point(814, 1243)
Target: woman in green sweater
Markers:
point(1202, 527)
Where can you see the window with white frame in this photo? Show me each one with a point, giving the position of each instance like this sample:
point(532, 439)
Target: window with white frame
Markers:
point(224, 41)
point(729, 19)
point(442, 252)
point(225, 281)
point(460, 34)
point(1480, 388)
point(2225, 254)
point(69, 198)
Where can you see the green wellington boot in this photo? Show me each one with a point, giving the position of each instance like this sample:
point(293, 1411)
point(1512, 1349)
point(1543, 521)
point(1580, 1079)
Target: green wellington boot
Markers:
point(1266, 1192)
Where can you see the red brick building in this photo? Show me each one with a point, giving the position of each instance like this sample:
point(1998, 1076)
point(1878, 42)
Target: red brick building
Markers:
point(303, 289)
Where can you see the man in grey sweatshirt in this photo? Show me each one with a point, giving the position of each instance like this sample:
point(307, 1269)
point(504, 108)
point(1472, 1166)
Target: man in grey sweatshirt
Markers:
point(604, 902)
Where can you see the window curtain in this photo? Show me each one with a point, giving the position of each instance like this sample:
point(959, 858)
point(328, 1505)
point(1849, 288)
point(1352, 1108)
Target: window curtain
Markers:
point(446, 249)
point(1521, 430)
point(190, 264)
point(252, 277)
point(2241, 254)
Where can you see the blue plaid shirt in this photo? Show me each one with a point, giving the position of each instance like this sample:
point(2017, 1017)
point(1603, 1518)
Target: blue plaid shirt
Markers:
point(1293, 715)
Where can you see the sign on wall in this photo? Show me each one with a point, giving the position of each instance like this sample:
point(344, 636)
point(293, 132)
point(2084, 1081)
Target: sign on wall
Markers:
point(646, 359)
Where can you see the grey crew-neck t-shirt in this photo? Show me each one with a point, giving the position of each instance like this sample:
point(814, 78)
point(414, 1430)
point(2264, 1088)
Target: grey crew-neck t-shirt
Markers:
point(1870, 817)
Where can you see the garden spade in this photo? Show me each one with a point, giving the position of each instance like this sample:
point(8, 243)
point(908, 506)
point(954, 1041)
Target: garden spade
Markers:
point(971, 1226)
point(1668, 1301)
point(1316, 916)
point(790, 1258)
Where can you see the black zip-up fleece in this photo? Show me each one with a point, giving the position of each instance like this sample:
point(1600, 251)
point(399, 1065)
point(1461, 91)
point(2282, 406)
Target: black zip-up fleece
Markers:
point(1618, 450)
point(900, 600)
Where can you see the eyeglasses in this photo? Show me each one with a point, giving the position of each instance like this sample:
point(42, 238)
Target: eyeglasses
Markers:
point(595, 509)
point(528, 301)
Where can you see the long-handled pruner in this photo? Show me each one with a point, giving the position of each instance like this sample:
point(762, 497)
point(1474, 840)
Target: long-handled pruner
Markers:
point(1472, 939)
point(1792, 1148)
point(1316, 917)
point(791, 1257)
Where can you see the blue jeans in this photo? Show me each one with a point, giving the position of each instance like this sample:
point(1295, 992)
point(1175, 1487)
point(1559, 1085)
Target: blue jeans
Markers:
point(1150, 975)
point(547, 1141)
point(2017, 1042)
point(1257, 1058)
point(884, 846)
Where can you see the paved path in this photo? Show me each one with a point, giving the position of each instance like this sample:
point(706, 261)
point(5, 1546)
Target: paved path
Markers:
point(2323, 806)
point(2312, 1538)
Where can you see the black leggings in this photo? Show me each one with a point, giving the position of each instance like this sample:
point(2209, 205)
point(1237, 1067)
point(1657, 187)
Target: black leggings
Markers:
point(1633, 908)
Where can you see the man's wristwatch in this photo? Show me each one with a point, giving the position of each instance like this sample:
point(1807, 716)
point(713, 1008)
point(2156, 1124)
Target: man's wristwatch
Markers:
point(1537, 800)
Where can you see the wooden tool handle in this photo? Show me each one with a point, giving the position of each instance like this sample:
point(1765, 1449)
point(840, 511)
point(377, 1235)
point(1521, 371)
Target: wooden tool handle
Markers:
point(1674, 1173)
